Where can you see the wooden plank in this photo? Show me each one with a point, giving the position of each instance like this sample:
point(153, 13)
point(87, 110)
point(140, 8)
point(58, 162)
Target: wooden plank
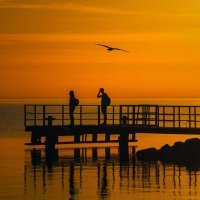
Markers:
point(81, 142)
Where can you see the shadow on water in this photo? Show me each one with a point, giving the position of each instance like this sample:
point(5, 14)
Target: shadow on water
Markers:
point(110, 168)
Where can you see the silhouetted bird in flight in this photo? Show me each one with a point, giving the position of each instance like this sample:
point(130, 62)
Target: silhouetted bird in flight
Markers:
point(111, 48)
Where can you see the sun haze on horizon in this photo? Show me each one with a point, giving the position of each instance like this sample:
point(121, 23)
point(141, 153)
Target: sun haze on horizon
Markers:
point(49, 47)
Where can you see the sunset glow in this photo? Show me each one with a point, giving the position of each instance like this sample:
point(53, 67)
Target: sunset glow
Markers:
point(49, 47)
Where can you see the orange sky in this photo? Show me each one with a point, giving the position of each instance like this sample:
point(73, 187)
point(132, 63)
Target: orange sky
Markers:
point(48, 47)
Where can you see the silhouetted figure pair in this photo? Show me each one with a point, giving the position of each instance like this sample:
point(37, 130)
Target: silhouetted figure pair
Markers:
point(73, 102)
point(105, 101)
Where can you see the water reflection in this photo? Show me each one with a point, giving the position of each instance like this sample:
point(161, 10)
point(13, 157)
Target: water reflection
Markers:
point(102, 173)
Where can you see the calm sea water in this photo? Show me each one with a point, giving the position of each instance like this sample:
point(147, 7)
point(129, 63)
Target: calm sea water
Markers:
point(88, 173)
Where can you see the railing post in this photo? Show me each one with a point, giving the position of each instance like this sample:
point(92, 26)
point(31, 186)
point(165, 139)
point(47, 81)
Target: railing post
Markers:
point(63, 115)
point(133, 115)
point(99, 115)
point(174, 117)
point(81, 117)
point(120, 114)
point(163, 116)
point(179, 116)
point(128, 113)
point(189, 117)
point(44, 111)
point(113, 112)
point(35, 115)
point(24, 115)
point(157, 116)
point(149, 116)
point(195, 117)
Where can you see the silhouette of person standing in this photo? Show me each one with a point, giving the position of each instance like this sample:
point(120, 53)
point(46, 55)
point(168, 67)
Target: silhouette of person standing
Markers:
point(105, 101)
point(73, 102)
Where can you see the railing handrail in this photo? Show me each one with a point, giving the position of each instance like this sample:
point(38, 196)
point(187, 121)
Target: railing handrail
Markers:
point(115, 105)
point(136, 114)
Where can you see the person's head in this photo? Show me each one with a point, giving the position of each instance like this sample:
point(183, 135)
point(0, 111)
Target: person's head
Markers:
point(101, 90)
point(71, 93)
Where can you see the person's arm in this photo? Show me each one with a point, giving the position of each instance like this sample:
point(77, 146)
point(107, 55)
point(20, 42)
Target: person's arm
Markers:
point(99, 95)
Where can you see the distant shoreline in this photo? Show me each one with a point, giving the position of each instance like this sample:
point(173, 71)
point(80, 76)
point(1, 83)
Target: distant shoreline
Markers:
point(160, 101)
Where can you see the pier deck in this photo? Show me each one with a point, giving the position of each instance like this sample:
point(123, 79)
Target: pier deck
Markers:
point(52, 121)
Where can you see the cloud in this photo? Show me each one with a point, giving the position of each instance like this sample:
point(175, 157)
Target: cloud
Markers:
point(67, 6)
point(78, 7)
point(78, 38)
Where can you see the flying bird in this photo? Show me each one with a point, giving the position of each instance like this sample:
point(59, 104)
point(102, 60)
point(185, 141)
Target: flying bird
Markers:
point(111, 48)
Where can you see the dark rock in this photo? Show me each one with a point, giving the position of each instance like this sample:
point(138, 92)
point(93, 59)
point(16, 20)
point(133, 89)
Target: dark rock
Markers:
point(193, 144)
point(164, 148)
point(178, 145)
point(187, 152)
point(192, 141)
point(178, 152)
point(148, 154)
point(165, 153)
point(192, 150)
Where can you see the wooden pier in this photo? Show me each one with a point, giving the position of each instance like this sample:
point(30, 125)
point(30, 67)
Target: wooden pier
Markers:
point(124, 121)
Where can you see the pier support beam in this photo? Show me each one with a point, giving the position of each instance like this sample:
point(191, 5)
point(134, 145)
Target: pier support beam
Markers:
point(123, 143)
point(133, 136)
point(107, 137)
point(123, 140)
point(77, 154)
point(51, 140)
point(51, 136)
point(94, 137)
point(76, 137)
point(35, 137)
point(36, 157)
point(94, 154)
point(51, 157)
point(107, 153)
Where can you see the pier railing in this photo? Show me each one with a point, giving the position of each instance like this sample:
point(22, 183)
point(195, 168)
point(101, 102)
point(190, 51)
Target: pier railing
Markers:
point(135, 115)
